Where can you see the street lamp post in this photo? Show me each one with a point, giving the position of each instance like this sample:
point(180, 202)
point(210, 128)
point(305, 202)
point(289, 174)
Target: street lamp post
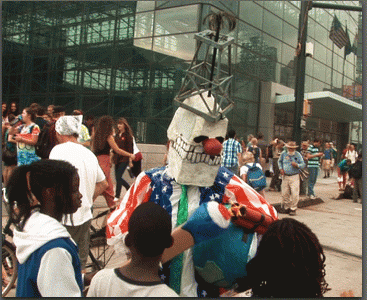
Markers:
point(300, 73)
point(301, 60)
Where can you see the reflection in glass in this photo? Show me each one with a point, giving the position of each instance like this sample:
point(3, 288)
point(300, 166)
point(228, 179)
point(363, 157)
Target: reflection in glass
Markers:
point(144, 25)
point(251, 13)
point(143, 43)
point(309, 66)
point(319, 70)
point(144, 5)
point(276, 7)
point(288, 55)
point(272, 25)
point(180, 46)
point(291, 14)
point(176, 20)
point(290, 34)
point(320, 52)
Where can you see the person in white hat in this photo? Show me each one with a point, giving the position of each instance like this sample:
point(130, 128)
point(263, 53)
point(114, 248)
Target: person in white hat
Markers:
point(92, 179)
point(290, 162)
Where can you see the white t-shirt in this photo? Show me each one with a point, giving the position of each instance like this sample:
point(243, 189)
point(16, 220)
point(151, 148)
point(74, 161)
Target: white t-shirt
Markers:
point(89, 173)
point(244, 169)
point(352, 155)
point(111, 283)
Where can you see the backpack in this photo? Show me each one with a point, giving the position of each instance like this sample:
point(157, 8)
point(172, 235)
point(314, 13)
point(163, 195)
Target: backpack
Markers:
point(256, 178)
point(43, 145)
point(356, 170)
point(256, 152)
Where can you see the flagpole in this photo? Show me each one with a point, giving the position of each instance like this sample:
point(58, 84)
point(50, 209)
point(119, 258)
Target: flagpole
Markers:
point(332, 66)
point(345, 57)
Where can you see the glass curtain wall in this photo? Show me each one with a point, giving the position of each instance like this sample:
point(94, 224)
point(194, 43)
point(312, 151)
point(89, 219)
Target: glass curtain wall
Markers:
point(128, 58)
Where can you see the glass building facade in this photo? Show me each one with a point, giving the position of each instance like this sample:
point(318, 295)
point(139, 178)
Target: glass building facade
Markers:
point(128, 58)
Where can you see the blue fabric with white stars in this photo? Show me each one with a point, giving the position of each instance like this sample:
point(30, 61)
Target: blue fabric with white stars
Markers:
point(161, 188)
point(161, 193)
point(216, 191)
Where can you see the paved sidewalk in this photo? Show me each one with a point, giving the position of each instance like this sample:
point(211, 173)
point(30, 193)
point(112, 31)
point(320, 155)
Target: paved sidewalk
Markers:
point(325, 189)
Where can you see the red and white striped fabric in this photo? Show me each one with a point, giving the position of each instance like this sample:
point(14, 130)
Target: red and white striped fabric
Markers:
point(227, 189)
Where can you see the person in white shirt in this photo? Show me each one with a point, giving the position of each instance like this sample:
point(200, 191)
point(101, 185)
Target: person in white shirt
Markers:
point(149, 235)
point(352, 153)
point(92, 179)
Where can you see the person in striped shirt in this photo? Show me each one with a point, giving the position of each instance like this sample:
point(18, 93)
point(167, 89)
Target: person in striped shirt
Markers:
point(313, 164)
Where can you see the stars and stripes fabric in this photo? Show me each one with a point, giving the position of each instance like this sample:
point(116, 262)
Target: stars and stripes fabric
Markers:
point(158, 186)
point(337, 34)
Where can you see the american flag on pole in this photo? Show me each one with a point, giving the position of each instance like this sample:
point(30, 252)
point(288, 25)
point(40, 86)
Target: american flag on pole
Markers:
point(337, 34)
point(355, 43)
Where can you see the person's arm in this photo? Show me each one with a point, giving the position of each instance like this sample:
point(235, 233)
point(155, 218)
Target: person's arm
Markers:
point(309, 155)
point(301, 163)
point(10, 138)
point(28, 139)
point(32, 141)
point(100, 188)
point(165, 157)
point(239, 155)
point(111, 141)
point(56, 275)
point(280, 163)
point(244, 177)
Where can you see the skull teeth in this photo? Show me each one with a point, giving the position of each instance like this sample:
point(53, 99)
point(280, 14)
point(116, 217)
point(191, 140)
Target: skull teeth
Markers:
point(194, 154)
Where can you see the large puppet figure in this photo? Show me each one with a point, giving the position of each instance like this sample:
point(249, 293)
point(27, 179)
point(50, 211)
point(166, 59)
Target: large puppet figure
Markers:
point(192, 178)
point(217, 218)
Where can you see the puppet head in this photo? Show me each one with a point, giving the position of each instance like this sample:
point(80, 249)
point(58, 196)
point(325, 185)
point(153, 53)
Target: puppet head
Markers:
point(195, 148)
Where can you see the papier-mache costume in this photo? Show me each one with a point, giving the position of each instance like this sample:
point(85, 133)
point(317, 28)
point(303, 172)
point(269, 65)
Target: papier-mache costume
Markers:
point(216, 216)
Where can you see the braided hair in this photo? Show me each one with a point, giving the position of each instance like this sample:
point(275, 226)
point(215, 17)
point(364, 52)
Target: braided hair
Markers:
point(290, 262)
point(43, 174)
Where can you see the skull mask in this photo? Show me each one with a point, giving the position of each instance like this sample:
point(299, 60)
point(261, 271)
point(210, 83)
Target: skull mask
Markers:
point(195, 148)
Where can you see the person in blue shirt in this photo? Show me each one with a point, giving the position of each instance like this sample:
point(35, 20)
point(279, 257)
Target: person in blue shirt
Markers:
point(290, 162)
point(326, 160)
point(343, 168)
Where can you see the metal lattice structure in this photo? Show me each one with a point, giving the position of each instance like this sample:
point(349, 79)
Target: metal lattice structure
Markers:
point(197, 80)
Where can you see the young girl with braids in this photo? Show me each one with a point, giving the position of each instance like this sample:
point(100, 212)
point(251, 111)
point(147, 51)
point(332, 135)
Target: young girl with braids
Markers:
point(290, 263)
point(102, 143)
point(39, 195)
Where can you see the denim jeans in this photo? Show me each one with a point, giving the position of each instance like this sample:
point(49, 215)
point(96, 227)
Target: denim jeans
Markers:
point(119, 172)
point(314, 172)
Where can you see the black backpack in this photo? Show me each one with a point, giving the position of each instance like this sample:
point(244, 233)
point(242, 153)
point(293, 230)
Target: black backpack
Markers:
point(356, 170)
point(43, 145)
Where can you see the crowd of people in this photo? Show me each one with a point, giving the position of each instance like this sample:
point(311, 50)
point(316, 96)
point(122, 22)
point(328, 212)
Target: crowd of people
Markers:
point(270, 159)
point(51, 197)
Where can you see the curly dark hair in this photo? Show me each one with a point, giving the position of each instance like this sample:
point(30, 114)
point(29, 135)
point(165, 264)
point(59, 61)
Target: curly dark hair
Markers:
point(43, 174)
point(290, 262)
point(102, 130)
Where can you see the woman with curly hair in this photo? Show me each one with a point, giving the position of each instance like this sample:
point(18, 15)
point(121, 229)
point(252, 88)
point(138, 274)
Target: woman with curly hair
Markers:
point(102, 143)
point(290, 263)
